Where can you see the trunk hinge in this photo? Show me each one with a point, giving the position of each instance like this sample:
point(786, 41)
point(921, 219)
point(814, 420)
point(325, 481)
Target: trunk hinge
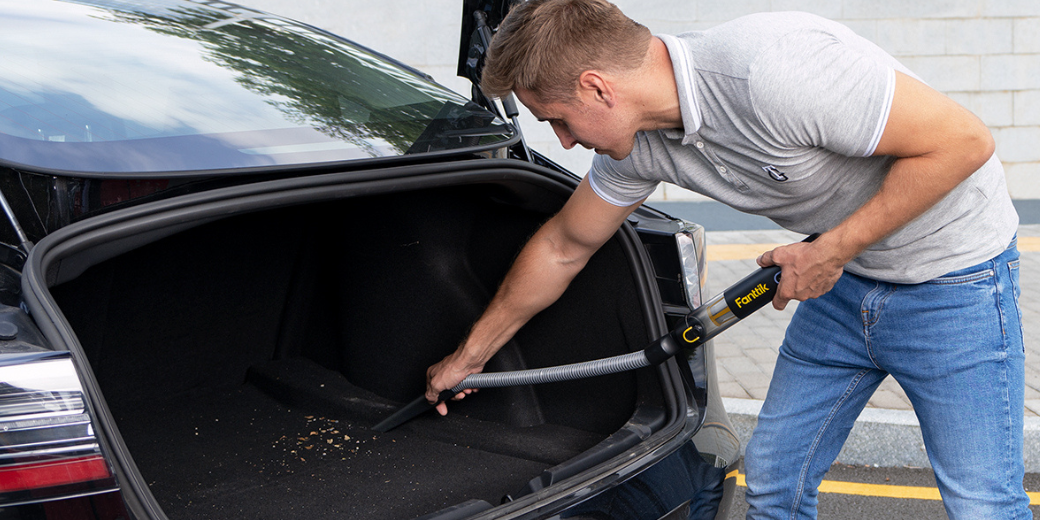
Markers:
point(471, 64)
point(23, 239)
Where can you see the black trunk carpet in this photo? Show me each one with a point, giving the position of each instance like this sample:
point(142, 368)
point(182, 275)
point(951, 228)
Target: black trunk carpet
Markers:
point(310, 452)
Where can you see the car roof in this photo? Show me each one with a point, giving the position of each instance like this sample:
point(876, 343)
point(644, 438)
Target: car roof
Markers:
point(199, 87)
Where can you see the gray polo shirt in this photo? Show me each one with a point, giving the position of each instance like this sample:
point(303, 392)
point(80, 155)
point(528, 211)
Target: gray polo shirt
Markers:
point(781, 113)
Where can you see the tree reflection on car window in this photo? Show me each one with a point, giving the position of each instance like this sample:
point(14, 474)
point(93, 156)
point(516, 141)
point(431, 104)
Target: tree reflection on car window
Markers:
point(216, 87)
point(315, 80)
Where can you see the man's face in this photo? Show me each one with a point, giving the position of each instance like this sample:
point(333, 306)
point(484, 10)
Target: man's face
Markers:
point(593, 125)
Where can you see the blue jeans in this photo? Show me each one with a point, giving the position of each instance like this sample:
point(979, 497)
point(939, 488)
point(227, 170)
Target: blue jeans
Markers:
point(955, 346)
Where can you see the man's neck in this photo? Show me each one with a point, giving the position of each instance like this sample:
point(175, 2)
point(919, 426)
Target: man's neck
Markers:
point(656, 91)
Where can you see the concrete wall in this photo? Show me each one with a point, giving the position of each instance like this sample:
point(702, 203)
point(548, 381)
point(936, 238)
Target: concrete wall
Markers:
point(985, 54)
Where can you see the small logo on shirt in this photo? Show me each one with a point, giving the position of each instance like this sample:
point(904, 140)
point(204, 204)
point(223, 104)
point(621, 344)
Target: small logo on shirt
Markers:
point(776, 174)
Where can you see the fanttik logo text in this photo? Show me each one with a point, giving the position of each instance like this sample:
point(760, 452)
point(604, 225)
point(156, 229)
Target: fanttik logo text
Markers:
point(759, 290)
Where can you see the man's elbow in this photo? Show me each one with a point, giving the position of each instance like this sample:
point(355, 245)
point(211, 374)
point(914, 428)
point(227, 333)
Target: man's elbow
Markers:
point(976, 147)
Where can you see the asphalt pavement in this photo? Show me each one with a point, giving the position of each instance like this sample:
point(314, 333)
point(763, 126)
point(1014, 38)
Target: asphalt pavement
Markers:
point(887, 433)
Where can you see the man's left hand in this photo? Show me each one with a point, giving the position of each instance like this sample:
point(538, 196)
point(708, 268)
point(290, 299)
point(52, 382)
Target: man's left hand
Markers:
point(809, 270)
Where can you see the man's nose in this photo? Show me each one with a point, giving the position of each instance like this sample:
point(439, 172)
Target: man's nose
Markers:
point(566, 139)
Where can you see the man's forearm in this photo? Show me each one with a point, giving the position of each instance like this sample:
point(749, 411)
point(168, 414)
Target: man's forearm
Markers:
point(538, 277)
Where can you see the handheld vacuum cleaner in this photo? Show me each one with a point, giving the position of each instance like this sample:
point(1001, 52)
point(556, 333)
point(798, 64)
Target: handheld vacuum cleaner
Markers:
point(707, 321)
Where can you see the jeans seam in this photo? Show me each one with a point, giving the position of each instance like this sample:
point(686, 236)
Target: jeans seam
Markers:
point(1009, 452)
point(1000, 309)
point(1015, 289)
point(811, 453)
point(1008, 448)
point(1004, 378)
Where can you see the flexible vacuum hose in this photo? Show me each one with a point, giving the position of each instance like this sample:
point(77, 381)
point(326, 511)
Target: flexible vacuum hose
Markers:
point(598, 367)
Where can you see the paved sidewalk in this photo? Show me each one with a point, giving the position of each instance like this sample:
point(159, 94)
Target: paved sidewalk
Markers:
point(887, 433)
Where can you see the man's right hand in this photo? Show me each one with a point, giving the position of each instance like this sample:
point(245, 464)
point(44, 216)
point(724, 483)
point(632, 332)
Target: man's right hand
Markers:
point(444, 375)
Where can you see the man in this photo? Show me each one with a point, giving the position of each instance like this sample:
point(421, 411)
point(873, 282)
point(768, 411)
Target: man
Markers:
point(796, 118)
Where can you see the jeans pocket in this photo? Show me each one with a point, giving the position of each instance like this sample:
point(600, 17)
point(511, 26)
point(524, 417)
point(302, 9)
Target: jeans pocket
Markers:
point(972, 294)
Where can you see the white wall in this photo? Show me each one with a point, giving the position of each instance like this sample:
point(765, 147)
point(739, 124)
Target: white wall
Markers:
point(985, 54)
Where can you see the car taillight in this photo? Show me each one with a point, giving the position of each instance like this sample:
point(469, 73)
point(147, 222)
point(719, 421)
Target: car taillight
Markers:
point(48, 450)
point(690, 243)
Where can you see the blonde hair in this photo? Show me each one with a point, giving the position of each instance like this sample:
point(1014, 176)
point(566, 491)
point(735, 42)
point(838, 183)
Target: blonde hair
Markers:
point(543, 46)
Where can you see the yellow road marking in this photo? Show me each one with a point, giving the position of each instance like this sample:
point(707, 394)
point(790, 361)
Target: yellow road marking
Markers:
point(1031, 244)
point(876, 490)
point(737, 251)
point(752, 251)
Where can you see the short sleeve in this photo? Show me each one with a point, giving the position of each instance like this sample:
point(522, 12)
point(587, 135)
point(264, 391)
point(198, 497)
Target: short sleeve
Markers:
point(617, 182)
point(812, 89)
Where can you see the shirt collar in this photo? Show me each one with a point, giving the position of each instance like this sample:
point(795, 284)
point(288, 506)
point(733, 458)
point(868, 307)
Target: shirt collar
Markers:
point(682, 65)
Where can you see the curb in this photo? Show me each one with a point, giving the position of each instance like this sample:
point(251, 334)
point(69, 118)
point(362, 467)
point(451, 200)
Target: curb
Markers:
point(880, 437)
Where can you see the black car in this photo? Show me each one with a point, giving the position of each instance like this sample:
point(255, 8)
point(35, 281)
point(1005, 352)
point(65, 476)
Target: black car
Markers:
point(233, 243)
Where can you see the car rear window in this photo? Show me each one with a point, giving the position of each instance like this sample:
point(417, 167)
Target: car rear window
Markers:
point(120, 87)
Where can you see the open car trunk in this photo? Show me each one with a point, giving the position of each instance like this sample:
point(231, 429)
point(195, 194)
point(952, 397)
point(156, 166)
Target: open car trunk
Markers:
point(244, 359)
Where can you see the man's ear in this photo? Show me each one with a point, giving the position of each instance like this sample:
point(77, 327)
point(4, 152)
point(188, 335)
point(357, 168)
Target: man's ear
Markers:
point(594, 86)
